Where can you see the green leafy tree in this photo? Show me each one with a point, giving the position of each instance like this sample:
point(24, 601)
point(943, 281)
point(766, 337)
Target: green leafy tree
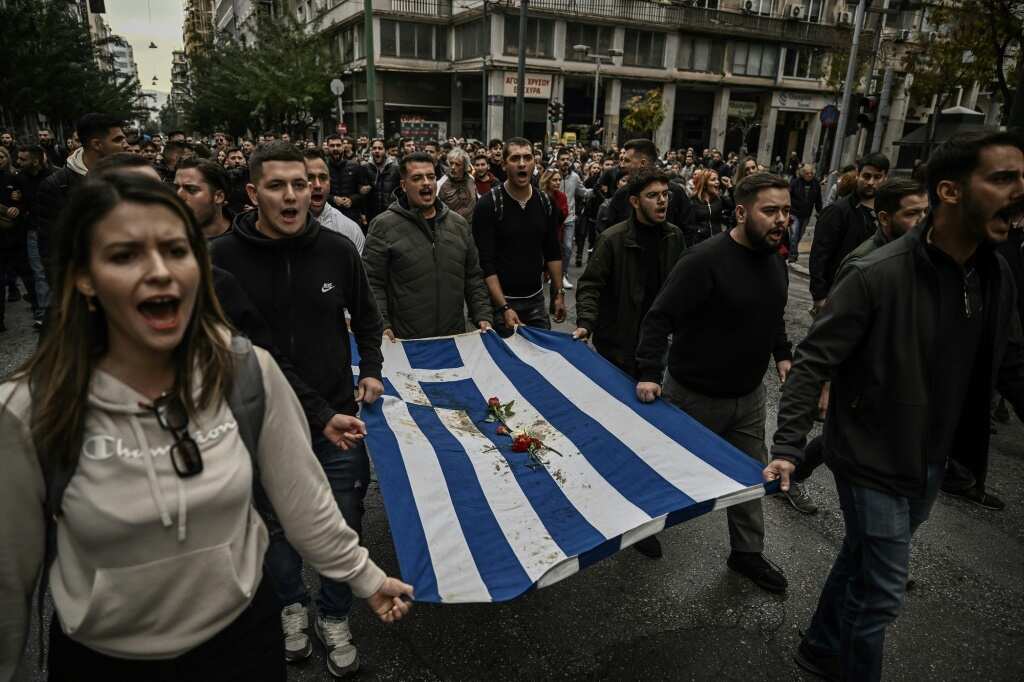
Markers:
point(51, 66)
point(280, 81)
point(645, 113)
point(974, 42)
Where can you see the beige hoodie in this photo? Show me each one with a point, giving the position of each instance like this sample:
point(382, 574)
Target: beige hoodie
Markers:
point(149, 565)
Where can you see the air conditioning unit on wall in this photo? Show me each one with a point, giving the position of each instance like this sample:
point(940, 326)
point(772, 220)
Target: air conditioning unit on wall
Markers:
point(749, 6)
point(795, 12)
point(845, 18)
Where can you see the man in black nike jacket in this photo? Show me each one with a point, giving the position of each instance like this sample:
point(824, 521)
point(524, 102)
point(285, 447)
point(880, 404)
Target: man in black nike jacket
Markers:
point(303, 279)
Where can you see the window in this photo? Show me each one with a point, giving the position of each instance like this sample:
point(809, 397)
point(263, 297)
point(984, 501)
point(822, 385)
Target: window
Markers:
point(540, 41)
point(599, 38)
point(762, 7)
point(803, 62)
point(644, 48)
point(814, 9)
point(413, 40)
point(755, 59)
point(701, 54)
point(350, 43)
point(470, 40)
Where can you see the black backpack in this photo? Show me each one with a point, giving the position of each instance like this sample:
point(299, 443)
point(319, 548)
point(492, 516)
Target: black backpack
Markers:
point(497, 196)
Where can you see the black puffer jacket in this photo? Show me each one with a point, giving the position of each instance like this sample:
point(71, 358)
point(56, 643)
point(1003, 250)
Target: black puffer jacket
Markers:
point(384, 183)
point(51, 197)
point(345, 177)
point(710, 218)
point(422, 277)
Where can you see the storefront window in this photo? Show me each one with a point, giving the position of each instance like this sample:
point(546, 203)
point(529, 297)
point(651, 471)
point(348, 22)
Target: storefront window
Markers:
point(755, 59)
point(413, 40)
point(540, 40)
point(803, 62)
point(470, 40)
point(599, 38)
point(700, 54)
point(644, 48)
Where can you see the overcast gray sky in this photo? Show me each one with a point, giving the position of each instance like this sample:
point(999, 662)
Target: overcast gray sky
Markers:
point(143, 21)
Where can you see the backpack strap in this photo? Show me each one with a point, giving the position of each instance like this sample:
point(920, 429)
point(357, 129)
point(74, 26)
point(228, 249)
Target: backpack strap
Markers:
point(247, 402)
point(498, 201)
point(545, 201)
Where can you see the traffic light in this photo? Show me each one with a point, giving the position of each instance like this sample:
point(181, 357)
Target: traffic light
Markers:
point(555, 111)
point(867, 110)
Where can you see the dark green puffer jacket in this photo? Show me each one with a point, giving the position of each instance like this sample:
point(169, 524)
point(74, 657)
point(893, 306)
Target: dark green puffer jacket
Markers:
point(422, 278)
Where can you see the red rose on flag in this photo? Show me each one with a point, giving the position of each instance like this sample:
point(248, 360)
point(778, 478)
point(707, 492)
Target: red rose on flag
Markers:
point(521, 443)
point(493, 402)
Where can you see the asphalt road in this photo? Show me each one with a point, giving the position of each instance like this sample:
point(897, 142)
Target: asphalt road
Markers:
point(687, 617)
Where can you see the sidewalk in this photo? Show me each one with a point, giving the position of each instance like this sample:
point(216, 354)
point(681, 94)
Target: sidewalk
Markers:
point(800, 267)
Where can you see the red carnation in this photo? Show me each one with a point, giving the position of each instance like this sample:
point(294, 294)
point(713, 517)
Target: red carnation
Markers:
point(521, 443)
point(493, 402)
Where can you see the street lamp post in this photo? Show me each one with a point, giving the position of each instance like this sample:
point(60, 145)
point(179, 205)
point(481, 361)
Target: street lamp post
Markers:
point(598, 58)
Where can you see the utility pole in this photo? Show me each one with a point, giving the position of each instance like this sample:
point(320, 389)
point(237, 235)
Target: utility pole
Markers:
point(483, 69)
point(844, 107)
point(524, 6)
point(882, 118)
point(371, 73)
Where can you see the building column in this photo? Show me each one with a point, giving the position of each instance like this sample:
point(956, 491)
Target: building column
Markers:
point(557, 95)
point(897, 118)
point(971, 96)
point(811, 141)
point(612, 110)
point(719, 119)
point(769, 116)
point(496, 111)
point(663, 135)
point(455, 124)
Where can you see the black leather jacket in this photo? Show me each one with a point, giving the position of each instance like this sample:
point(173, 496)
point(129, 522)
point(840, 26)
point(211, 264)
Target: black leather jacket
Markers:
point(875, 339)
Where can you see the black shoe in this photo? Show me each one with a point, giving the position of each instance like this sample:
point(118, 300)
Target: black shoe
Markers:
point(817, 662)
point(649, 547)
point(761, 572)
point(979, 497)
point(579, 262)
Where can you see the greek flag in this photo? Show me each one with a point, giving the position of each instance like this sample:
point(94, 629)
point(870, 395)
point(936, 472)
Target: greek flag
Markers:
point(474, 521)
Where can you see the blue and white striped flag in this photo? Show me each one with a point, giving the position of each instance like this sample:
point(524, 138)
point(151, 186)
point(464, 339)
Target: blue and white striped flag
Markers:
point(473, 521)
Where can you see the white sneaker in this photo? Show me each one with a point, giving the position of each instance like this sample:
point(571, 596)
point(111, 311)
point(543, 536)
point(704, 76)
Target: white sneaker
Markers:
point(566, 284)
point(342, 655)
point(294, 622)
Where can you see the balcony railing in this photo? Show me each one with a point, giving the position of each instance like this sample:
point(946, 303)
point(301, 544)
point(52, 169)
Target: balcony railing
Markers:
point(656, 14)
point(427, 8)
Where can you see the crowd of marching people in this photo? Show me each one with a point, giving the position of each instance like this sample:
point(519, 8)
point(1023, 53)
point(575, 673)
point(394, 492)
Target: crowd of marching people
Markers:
point(195, 297)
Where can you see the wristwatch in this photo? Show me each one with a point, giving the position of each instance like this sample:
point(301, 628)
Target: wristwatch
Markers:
point(504, 308)
point(559, 292)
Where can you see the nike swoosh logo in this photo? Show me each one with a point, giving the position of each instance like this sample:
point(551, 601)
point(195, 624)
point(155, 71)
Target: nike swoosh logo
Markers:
point(326, 287)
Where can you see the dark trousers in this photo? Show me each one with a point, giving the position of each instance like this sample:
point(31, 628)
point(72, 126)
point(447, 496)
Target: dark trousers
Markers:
point(250, 648)
point(531, 312)
point(739, 421)
point(865, 589)
point(14, 265)
point(348, 473)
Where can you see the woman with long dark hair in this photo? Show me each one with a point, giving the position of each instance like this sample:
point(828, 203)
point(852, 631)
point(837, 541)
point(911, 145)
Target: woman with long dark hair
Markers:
point(120, 428)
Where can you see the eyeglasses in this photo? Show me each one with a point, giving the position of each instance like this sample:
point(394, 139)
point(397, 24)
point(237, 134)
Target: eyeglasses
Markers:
point(172, 416)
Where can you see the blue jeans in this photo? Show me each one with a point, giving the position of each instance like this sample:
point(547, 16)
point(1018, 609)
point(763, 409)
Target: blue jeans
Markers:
point(796, 233)
point(35, 261)
point(348, 473)
point(865, 590)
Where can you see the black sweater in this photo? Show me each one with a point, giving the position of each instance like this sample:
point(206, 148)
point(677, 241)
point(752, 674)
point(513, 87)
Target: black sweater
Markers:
point(302, 287)
point(724, 304)
point(517, 247)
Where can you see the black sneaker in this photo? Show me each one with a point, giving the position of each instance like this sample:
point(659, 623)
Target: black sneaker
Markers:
point(817, 662)
point(761, 572)
point(649, 547)
point(979, 497)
